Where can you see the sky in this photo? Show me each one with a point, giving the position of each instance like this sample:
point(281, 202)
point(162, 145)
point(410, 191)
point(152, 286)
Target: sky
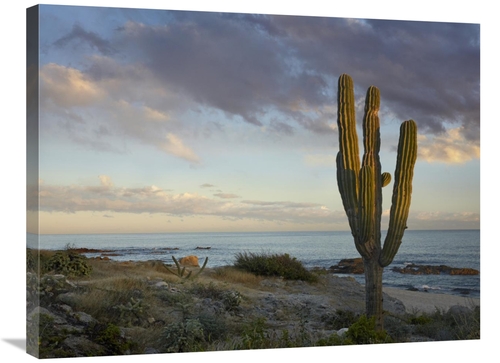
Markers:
point(193, 121)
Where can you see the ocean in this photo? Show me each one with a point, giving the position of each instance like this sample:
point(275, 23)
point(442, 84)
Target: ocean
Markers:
point(454, 248)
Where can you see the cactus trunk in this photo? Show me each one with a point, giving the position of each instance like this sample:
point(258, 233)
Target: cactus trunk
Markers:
point(373, 291)
point(360, 186)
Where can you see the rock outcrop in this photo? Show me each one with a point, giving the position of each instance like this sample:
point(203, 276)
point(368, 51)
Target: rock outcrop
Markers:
point(189, 261)
point(349, 266)
point(355, 266)
point(414, 269)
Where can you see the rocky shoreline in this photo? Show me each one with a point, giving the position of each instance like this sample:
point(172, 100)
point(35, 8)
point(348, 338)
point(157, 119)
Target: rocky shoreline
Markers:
point(355, 266)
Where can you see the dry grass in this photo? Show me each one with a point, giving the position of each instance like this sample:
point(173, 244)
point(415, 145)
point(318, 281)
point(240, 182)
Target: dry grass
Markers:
point(149, 269)
point(233, 275)
point(113, 284)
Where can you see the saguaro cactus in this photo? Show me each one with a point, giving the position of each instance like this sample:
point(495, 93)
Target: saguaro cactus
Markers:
point(360, 186)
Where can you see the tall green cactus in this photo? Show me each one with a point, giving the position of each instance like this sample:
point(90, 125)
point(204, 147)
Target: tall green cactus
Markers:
point(360, 186)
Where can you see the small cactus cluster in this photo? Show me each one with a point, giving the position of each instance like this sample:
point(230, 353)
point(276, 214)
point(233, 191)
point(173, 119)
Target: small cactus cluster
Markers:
point(133, 308)
point(181, 271)
point(360, 183)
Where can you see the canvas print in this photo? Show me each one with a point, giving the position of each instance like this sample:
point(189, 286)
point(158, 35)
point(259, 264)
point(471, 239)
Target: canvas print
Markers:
point(201, 181)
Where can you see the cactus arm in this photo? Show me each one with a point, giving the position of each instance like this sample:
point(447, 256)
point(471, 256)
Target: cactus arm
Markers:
point(178, 265)
point(386, 179)
point(346, 120)
point(348, 164)
point(201, 269)
point(401, 196)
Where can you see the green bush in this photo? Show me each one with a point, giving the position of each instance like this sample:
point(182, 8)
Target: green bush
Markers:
point(340, 319)
point(185, 336)
point(214, 326)
point(254, 336)
point(282, 265)
point(30, 261)
point(68, 263)
point(363, 332)
point(231, 299)
point(110, 337)
point(447, 326)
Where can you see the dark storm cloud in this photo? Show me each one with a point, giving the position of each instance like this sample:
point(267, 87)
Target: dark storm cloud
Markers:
point(79, 35)
point(225, 63)
point(246, 65)
point(281, 71)
point(426, 71)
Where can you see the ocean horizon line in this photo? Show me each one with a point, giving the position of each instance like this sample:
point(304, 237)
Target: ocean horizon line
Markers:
point(237, 232)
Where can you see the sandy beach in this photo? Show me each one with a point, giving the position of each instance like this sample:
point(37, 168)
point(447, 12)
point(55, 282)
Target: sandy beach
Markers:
point(418, 301)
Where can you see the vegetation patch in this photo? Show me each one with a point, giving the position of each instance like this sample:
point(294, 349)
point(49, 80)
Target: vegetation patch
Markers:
point(68, 263)
point(138, 308)
point(282, 265)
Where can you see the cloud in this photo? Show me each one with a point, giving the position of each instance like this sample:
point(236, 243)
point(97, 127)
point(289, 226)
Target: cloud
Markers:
point(278, 73)
point(207, 185)
point(108, 198)
point(105, 181)
point(444, 220)
point(93, 109)
point(226, 196)
point(175, 146)
point(452, 147)
point(79, 36)
point(68, 87)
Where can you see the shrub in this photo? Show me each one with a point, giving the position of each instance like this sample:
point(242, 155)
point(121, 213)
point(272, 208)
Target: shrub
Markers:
point(282, 265)
point(363, 332)
point(254, 336)
point(185, 336)
point(68, 263)
point(30, 261)
point(341, 319)
point(110, 337)
point(230, 299)
point(214, 326)
point(449, 326)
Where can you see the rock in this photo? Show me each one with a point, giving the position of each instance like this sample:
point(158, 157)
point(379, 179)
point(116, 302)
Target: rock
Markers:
point(342, 332)
point(82, 347)
point(42, 311)
point(84, 318)
point(161, 284)
point(62, 308)
point(69, 298)
point(414, 269)
point(393, 305)
point(349, 266)
point(189, 261)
